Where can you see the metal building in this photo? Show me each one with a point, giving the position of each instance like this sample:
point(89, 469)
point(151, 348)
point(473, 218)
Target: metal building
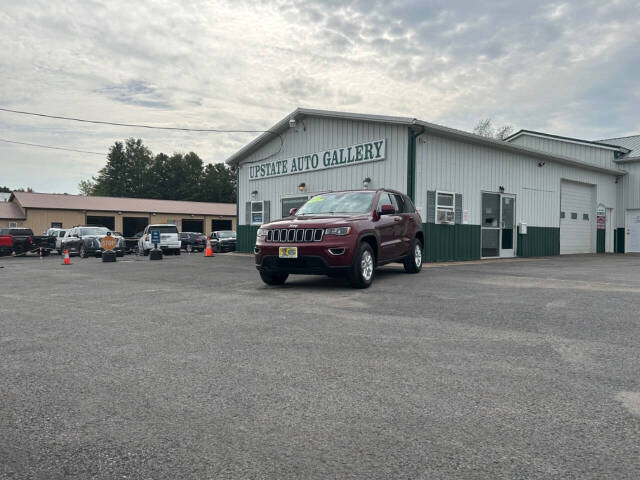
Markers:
point(533, 194)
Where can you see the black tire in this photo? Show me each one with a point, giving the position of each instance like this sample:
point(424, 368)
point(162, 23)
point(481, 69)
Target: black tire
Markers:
point(363, 269)
point(176, 251)
point(274, 278)
point(145, 252)
point(119, 254)
point(83, 252)
point(413, 261)
point(45, 253)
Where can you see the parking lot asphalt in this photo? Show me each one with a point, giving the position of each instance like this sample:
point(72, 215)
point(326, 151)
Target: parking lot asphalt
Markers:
point(192, 368)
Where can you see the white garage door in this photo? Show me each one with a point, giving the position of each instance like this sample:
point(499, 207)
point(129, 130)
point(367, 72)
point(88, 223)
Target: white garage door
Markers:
point(633, 231)
point(577, 217)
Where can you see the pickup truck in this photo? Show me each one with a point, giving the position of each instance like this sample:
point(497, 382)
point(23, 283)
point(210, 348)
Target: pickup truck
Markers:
point(24, 241)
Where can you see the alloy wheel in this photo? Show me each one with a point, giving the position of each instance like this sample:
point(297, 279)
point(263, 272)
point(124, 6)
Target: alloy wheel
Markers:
point(366, 265)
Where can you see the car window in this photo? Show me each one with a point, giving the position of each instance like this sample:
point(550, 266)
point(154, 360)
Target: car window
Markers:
point(399, 202)
point(165, 228)
point(338, 203)
point(385, 199)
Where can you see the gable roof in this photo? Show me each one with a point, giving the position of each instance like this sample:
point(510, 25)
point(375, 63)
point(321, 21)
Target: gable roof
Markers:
point(436, 129)
point(598, 144)
point(11, 211)
point(59, 201)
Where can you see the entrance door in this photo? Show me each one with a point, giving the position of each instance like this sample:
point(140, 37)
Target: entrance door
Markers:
point(608, 239)
point(507, 226)
point(633, 231)
point(498, 225)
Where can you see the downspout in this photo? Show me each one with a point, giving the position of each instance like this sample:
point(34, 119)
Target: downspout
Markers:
point(411, 159)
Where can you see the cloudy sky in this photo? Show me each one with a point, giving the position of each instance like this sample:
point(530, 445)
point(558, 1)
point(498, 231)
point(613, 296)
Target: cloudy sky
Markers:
point(569, 68)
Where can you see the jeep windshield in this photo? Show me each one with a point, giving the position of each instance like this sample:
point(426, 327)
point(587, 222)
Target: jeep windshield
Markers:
point(349, 203)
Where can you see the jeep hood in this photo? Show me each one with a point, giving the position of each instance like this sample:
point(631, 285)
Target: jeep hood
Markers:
point(309, 221)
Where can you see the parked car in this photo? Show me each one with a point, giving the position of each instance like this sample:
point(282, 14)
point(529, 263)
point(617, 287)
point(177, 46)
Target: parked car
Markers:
point(24, 241)
point(58, 234)
point(84, 240)
point(223, 241)
point(346, 233)
point(132, 242)
point(6, 244)
point(197, 241)
point(169, 239)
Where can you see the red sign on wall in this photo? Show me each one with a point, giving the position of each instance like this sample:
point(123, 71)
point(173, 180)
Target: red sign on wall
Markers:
point(601, 222)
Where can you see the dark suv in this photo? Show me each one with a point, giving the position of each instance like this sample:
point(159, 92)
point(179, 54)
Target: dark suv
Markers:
point(342, 233)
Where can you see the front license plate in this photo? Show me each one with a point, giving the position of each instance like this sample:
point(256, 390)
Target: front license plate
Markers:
point(288, 252)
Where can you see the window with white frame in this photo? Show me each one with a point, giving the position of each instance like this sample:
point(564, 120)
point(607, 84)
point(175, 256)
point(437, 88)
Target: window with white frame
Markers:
point(445, 208)
point(257, 213)
point(287, 203)
point(12, 224)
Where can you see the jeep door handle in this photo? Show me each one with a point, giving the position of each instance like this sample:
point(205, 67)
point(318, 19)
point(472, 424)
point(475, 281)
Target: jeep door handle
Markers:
point(396, 219)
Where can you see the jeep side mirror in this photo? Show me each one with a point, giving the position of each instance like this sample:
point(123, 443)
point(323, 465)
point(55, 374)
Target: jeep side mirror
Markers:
point(292, 212)
point(387, 209)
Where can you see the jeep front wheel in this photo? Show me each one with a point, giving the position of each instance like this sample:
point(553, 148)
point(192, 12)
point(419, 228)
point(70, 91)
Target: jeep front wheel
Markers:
point(364, 267)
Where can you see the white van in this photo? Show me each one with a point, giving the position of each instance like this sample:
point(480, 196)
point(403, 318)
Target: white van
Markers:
point(169, 239)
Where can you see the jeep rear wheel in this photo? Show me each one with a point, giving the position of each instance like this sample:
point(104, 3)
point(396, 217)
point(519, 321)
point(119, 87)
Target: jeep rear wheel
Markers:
point(274, 278)
point(413, 261)
point(364, 267)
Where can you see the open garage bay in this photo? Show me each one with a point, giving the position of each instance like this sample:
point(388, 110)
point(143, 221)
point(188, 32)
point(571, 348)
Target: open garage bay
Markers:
point(192, 368)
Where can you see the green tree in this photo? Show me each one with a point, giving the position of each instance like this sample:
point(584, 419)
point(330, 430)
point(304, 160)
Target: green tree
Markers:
point(132, 171)
point(5, 190)
point(218, 184)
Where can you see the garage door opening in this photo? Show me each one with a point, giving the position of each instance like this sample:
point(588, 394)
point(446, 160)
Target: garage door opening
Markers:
point(633, 231)
point(109, 222)
point(133, 225)
point(217, 225)
point(189, 225)
point(577, 217)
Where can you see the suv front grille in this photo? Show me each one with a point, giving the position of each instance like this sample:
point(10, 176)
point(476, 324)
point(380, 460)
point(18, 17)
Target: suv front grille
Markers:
point(295, 235)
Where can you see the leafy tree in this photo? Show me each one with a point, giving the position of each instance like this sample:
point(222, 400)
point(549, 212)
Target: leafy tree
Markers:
point(485, 128)
point(218, 184)
point(86, 187)
point(5, 190)
point(133, 171)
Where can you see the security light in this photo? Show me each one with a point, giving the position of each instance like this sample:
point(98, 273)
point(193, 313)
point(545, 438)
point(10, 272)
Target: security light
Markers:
point(302, 187)
point(254, 195)
point(366, 182)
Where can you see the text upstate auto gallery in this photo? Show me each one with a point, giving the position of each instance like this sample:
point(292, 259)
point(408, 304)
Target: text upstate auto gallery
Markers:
point(337, 157)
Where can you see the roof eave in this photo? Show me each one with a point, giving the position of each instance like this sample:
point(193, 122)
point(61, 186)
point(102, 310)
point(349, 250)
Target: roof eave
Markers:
point(588, 143)
point(507, 146)
point(299, 113)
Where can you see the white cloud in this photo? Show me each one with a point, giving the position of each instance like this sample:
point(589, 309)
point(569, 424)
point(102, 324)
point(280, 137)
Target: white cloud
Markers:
point(569, 68)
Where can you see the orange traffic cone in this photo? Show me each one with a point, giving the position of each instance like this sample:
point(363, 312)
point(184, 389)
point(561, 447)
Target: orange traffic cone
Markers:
point(67, 260)
point(209, 251)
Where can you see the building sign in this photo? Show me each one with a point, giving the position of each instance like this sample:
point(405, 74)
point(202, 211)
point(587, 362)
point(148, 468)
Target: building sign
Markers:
point(332, 158)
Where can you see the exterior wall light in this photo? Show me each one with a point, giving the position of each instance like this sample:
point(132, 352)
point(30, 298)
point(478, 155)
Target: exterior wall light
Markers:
point(302, 187)
point(366, 182)
point(501, 188)
point(541, 164)
point(254, 195)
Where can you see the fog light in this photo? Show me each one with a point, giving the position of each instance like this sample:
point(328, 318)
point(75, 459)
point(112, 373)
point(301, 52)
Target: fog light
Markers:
point(256, 250)
point(336, 251)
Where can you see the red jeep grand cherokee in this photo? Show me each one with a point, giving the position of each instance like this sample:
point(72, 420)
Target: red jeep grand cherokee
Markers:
point(342, 233)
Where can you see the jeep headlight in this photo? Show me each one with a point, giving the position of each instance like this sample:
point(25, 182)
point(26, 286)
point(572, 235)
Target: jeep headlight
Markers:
point(262, 232)
point(337, 231)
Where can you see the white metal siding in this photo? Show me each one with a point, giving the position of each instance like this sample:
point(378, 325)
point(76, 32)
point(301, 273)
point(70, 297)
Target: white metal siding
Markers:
point(595, 155)
point(444, 164)
point(316, 134)
point(577, 234)
point(633, 231)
